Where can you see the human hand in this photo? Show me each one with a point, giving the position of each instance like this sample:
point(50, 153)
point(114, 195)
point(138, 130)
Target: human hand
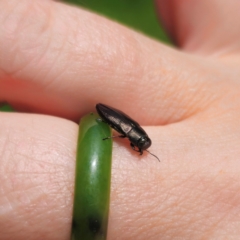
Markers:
point(60, 61)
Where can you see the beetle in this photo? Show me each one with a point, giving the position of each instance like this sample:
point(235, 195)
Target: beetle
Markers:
point(126, 126)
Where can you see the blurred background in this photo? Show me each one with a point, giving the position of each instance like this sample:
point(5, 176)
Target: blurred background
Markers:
point(137, 14)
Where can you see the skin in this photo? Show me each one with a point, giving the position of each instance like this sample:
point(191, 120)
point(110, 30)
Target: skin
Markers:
point(187, 99)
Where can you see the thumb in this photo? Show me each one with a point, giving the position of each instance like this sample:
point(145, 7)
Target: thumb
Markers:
point(205, 27)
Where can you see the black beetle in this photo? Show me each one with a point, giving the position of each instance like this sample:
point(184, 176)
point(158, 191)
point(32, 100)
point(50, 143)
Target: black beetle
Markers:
point(126, 126)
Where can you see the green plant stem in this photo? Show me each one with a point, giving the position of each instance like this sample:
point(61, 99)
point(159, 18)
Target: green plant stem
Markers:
point(92, 184)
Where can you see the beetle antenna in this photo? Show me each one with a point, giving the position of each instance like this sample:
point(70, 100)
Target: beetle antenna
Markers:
point(154, 155)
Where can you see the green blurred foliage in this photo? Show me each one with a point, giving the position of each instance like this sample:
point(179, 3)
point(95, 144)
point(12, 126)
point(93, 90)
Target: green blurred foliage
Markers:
point(138, 14)
point(6, 108)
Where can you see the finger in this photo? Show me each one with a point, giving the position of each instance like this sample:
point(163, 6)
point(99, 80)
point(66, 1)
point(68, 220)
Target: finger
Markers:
point(37, 174)
point(202, 26)
point(64, 65)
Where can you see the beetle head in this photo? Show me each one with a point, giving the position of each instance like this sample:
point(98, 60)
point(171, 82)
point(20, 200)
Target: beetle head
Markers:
point(144, 143)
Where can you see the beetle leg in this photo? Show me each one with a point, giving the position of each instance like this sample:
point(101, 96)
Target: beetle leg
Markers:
point(133, 147)
point(121, 136)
